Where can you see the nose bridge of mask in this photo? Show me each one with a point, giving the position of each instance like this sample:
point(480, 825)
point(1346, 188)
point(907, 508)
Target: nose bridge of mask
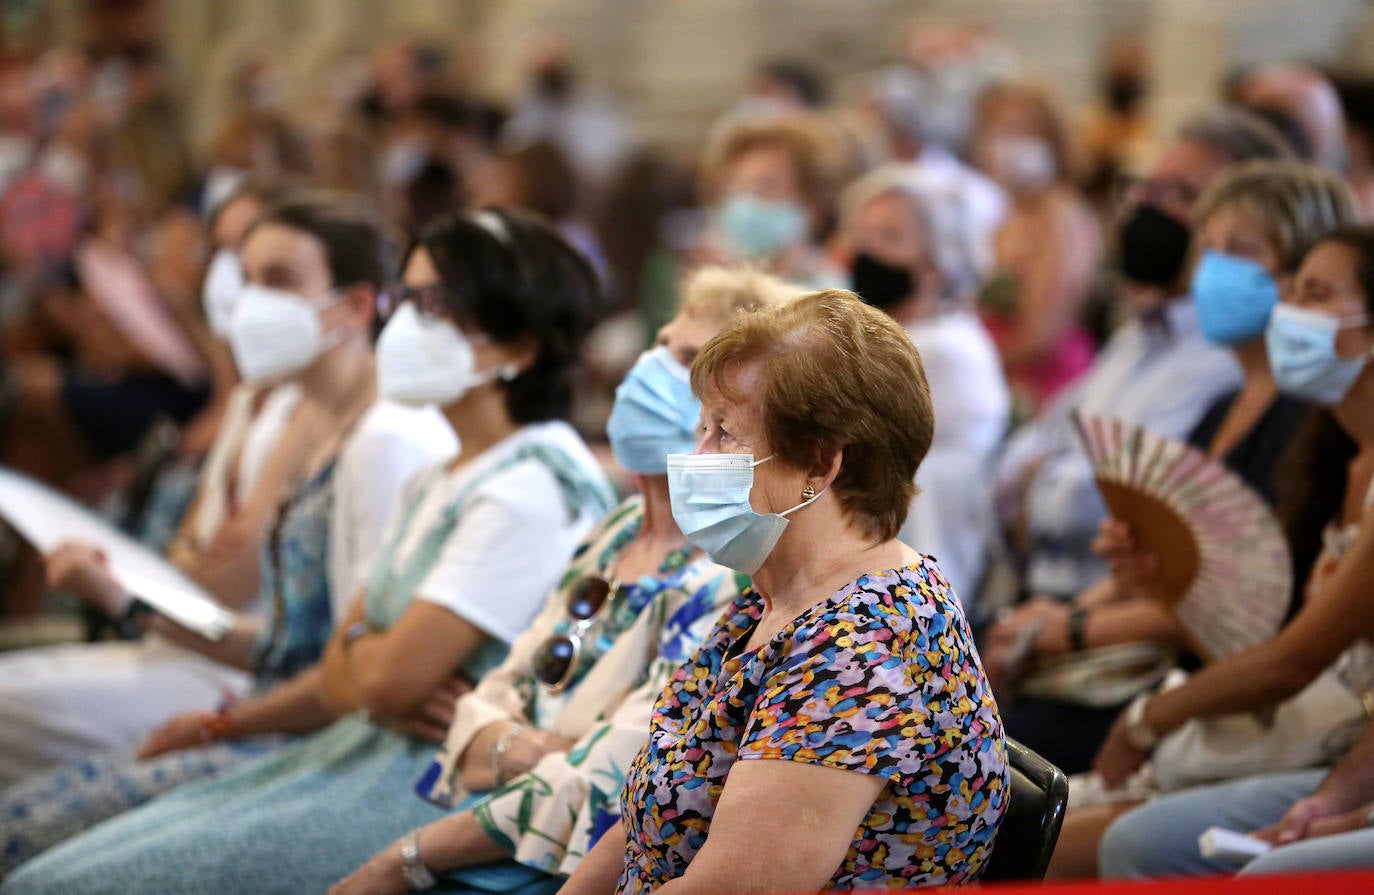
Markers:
point(1316, 321)
point(224, 282)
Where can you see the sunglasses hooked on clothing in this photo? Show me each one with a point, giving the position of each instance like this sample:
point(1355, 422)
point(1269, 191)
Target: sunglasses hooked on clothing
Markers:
point(556, 661)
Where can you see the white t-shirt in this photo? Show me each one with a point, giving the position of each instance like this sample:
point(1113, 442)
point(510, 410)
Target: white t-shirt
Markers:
point(389, 446)
point(252, 436)
point(951, 516)
point(263, 434)
point(514, 539)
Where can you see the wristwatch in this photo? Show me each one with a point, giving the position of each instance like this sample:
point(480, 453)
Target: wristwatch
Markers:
point(416, 874)
point(1138, 733)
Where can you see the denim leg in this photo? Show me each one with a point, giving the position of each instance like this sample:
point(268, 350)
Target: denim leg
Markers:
point(1160, 837)
point(1349, 851)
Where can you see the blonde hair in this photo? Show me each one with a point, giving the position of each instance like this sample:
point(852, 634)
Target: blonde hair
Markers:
point(717, 293)
point(835, 376)
point(1297, 203)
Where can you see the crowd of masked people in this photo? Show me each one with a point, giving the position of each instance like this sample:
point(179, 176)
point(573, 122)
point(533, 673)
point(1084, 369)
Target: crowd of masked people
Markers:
point(572, 503)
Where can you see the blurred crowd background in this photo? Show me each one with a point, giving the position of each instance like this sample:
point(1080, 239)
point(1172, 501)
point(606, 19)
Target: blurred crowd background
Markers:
point(124, 122)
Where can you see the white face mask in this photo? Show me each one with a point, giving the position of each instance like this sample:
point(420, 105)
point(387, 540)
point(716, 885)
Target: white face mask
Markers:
point(1020, 163)
point(422, 361)
point(220, 293)
point(275, 334)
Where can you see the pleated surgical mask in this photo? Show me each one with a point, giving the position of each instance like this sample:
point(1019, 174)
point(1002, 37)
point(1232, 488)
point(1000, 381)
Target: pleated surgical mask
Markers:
point(654, 414)
point(710, 501)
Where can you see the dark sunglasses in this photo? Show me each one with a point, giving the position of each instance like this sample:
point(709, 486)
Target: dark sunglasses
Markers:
point(432, 301)
point(556, 660)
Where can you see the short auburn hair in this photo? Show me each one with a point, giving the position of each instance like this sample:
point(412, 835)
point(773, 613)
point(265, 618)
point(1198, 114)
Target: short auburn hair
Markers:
point(835, 375)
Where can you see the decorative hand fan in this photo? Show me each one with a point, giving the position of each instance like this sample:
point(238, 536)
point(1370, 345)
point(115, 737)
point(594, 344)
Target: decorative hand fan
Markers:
point(1223, 565)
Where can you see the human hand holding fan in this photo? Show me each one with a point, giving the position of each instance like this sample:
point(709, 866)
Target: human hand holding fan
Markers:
point(1222, 561)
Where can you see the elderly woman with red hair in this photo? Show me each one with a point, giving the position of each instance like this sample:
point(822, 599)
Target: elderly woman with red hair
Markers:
point(835, 730)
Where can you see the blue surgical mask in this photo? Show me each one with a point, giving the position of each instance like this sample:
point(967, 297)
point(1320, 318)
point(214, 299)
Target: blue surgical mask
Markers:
point(1302, 354)
point(756, 227)
point(710, 499)
point(654, 415)
point(1234, 298)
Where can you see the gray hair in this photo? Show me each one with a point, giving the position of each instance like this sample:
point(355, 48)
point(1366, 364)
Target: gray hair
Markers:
point(899, 95)
point(1295, 202)
point(942, 209)
point(1242, 136)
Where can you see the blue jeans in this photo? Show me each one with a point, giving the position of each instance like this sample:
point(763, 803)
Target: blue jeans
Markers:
point(1160, 837)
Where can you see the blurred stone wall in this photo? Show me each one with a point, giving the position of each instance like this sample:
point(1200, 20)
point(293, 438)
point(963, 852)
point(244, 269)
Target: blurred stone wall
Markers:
point(675, 64)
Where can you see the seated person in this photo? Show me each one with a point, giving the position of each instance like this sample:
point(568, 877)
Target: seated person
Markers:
point(301, 246)
point(1156, 370)
point(836, 701)
point(1320, 343)
point(488, 327)
point(554, 729)
point(60, 704)
point(910, 262)
point(1253, 225)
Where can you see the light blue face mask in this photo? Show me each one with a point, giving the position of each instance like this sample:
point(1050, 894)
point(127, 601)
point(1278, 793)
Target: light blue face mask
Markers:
point(710, 498)
point(654, 415)
point(756, 227)
point(1302, 354)
point(1234, 298)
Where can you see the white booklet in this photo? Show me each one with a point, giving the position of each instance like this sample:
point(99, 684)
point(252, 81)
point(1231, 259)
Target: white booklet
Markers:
point(47, 519)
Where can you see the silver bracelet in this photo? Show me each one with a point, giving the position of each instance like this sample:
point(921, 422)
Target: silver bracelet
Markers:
point(501, 747)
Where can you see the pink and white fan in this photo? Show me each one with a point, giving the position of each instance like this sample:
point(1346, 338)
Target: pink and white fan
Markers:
point(1223, 561)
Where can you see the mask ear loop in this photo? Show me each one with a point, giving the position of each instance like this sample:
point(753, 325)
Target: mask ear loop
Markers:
point(805, 503)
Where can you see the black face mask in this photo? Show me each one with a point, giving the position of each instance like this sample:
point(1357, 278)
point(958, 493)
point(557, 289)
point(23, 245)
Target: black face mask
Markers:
point(1123, 93)
point(881, 285)
point(1153, 247)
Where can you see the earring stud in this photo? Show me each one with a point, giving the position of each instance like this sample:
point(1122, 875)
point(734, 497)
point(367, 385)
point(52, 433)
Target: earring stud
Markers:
point(808, 493)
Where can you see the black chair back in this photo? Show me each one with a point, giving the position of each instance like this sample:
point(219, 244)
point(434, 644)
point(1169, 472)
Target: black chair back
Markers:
point(1030, 828)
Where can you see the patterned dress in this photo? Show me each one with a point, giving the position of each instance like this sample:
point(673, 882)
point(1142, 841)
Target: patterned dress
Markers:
point(881, 678)
point(549, 818)
point(53, 806)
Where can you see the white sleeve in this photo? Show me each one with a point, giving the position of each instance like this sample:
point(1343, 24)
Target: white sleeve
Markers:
point(506, 554)
point(373, 471)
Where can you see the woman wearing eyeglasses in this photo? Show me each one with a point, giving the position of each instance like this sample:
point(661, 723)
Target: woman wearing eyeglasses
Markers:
point(488, 327)
point(348, 457)
point(554, 729)
point(835, 729)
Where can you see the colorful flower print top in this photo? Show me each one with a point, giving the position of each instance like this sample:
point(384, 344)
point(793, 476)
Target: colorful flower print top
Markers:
point(881, 678)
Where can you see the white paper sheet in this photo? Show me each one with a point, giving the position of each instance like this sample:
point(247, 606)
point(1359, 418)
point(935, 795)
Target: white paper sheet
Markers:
point(47, 520)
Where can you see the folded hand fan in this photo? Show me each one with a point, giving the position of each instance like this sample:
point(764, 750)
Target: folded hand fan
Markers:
point(1223, 561)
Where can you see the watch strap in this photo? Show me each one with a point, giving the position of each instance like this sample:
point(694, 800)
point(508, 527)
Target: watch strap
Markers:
point(1078, 629)
point(417, 875)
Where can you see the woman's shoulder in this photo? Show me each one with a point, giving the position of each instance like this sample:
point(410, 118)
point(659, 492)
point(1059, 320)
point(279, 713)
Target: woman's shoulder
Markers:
point(899, 599)
point(388, 424)
point(528, 465)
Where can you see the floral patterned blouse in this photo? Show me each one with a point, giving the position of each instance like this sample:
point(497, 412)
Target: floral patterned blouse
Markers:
point(881, 678)
point(550, 817)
